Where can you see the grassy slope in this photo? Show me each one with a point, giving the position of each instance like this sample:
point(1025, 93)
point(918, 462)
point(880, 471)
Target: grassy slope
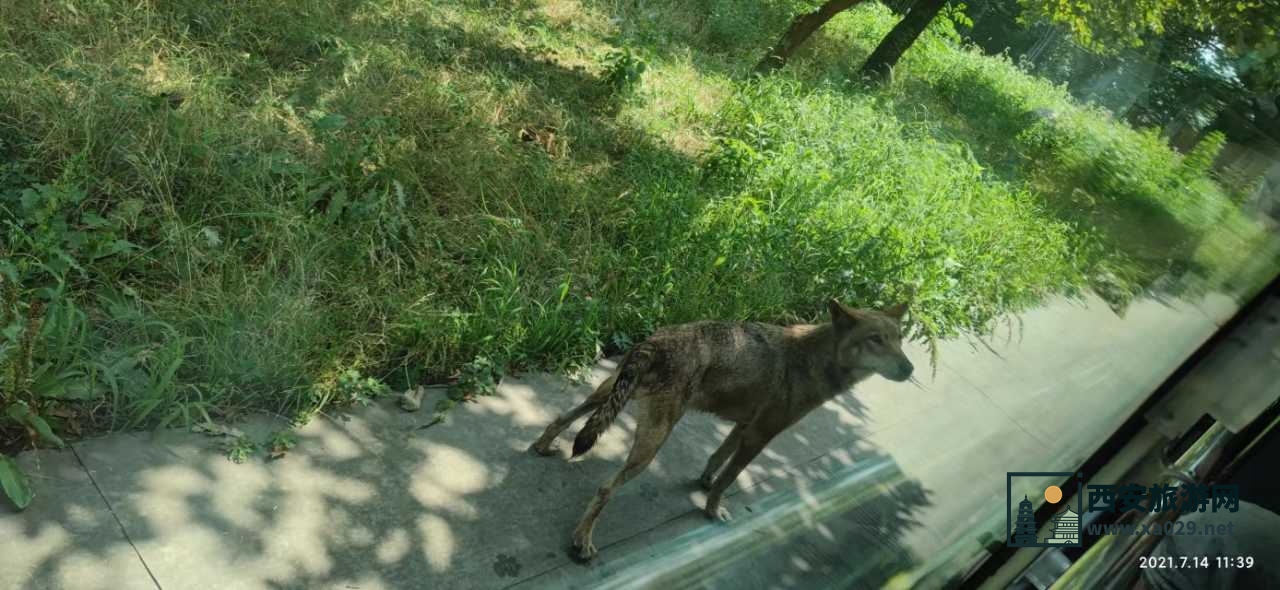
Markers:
point(404, 187)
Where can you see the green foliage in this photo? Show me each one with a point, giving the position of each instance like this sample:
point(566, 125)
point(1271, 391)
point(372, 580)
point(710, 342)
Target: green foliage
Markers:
point(731, 25)
point(1198, 163)
point(343, 195)
point(22, 413)
point(623, 69)
point(53, 234)
point(354, 388)
point(14, 482)
point(1141, 210)
point(282, 441)
point(1105, 25)
point(833, 197)
point(33, 377)
point(478, 377)
point(951, 20)
point(240, 448)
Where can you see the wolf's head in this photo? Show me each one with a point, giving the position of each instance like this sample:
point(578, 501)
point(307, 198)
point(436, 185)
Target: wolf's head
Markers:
point(871, 340)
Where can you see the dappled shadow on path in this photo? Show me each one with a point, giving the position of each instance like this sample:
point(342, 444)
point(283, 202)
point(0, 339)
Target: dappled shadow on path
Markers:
point(372, 500)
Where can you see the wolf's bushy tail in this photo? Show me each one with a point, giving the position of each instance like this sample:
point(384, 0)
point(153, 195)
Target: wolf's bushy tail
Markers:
point(636, 363)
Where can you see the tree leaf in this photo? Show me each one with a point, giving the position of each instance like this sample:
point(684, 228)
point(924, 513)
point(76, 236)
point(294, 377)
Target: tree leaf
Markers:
point(43, 429)
point(18, 411)
point(14, 482)
point(22, 413)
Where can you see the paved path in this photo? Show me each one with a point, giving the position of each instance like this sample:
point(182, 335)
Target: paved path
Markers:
point(895, 478)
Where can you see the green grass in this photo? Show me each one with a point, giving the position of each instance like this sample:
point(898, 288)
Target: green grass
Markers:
point(237, 206)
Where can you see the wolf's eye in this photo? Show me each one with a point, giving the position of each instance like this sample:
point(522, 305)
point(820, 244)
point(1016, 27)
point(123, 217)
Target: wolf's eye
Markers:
point(877, 339)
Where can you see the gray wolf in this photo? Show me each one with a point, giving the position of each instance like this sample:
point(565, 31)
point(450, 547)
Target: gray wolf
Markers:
point(761, 377)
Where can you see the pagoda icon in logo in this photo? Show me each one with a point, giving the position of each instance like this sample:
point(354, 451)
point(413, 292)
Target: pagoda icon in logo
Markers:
point(1024, 532)
point(1021, 526)
point(1066, 528)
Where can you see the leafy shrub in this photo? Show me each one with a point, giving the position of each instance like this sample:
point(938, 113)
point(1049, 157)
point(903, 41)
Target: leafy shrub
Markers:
point(50, 239)
point(354, 388)
point(623, 69)
point(240, 448)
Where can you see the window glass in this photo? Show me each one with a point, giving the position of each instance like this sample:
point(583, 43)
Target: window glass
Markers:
point(299, 209)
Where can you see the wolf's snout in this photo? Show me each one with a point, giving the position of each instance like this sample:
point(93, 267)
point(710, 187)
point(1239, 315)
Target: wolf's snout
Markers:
point(905, 368)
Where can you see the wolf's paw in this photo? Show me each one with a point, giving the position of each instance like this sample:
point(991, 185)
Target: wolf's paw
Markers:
point(541, 450)
point(583, 552)
point(718, 513)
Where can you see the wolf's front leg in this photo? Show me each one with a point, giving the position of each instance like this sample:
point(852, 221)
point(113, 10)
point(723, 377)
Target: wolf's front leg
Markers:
point(748, 448)
point(718, 458)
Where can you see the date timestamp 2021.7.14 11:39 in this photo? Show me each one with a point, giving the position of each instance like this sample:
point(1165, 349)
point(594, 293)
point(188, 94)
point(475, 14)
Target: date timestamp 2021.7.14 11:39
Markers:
point(1202, 562)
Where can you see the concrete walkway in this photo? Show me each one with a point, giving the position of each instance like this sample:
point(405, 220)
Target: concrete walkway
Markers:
point(894, 484)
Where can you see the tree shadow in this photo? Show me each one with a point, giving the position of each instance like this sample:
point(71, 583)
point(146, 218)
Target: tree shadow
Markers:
point(835, 521)
point(370, 499)
point(1016, 143)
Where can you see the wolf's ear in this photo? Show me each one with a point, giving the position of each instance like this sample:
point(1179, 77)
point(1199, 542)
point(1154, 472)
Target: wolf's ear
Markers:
point(895, 311)
point(841, 317)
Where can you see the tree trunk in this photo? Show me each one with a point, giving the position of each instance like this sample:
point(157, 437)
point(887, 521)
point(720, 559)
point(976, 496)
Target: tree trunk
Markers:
point(900, 38)
point(801, 28)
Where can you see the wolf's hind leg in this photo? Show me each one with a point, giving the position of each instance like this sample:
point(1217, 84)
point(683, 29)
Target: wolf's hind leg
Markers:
point(655, 417)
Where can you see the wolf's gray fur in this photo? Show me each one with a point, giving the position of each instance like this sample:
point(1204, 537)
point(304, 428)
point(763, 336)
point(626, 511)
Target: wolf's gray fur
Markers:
point(762, 377)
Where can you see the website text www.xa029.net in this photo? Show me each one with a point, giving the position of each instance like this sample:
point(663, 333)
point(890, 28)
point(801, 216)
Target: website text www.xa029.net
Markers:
point(1167, 529)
